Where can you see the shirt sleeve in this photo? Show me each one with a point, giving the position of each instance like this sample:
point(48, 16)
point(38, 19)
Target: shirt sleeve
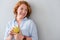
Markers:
point(33, 31)
point(6, 31)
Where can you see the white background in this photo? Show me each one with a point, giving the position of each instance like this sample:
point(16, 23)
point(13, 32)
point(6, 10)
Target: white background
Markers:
point(45, 13)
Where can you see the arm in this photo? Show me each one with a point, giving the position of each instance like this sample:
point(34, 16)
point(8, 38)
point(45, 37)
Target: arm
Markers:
point(7, 36)
point(28, 38)
point(18, 36)
point(21, 37)
point(33, 31)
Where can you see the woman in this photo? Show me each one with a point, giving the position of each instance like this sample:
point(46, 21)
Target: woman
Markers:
point(27, 28)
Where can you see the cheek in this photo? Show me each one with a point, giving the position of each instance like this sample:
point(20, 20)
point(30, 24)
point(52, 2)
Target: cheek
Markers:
point(25, 13)
point(18, 10)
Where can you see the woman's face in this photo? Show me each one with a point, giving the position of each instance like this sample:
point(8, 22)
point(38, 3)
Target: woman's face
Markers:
point(21, 11)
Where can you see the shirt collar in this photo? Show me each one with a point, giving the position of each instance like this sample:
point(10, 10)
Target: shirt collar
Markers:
point(15, 22)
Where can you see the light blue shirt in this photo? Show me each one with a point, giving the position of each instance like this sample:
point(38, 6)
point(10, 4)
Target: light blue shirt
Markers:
point(27, 27)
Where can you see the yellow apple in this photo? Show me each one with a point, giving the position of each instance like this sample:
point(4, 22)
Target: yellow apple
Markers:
point(16, 29)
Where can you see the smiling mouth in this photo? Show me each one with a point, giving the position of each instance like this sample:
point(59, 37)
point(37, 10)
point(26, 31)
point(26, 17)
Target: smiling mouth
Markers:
point(23, 14)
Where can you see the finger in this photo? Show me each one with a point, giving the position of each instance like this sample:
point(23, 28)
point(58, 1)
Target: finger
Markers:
point(11, 31)
point(20, 32)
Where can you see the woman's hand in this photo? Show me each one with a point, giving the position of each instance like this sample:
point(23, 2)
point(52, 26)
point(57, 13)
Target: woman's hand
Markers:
point(10, 35)
point(14, 30)
point(28, 38)
point(18, 36)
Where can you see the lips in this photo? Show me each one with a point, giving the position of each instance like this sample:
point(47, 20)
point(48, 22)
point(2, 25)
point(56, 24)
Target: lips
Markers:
point(22, 14)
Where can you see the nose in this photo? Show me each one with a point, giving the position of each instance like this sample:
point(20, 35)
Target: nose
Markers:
point(23, 11)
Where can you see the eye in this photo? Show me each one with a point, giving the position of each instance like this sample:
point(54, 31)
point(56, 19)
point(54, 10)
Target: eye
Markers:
point(21, 8)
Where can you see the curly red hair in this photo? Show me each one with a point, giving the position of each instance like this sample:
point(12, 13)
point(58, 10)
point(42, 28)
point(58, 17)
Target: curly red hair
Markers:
point(22, 2)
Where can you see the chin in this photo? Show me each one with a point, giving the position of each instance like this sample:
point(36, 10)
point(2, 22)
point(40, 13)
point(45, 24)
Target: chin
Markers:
point(21, 17)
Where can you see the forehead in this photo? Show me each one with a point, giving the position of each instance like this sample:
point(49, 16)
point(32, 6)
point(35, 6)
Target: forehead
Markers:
point(23, 5)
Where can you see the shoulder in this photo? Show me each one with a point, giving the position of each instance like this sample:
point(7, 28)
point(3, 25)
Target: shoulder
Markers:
point(30, 22)
point(10, 22)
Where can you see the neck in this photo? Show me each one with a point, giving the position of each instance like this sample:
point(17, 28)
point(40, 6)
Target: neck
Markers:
point(19, 20)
